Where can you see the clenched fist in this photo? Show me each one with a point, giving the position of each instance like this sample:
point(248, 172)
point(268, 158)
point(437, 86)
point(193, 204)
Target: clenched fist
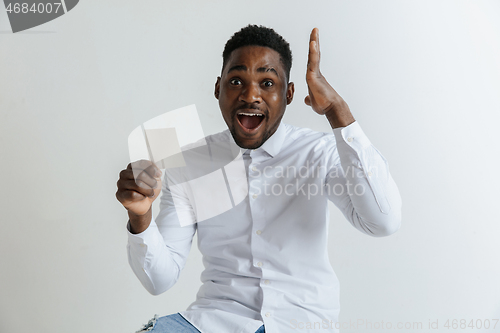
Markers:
point(139, 185)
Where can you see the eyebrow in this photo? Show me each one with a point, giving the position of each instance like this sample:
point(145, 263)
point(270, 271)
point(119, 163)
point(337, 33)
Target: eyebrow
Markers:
point(260, 69)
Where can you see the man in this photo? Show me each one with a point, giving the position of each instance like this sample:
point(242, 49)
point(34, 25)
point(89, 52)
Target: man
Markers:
point(266, 259)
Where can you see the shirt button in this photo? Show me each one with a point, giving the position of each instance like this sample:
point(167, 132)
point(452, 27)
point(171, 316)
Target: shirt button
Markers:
point(369, 173)
point(268, 314)
point(142, 245)
point(258, 232)
point(254, 196)
point(259, 264)
point(254, 168)
point(349, 139)
point(267, 281)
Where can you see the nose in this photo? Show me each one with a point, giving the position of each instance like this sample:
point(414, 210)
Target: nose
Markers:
point(250, 94)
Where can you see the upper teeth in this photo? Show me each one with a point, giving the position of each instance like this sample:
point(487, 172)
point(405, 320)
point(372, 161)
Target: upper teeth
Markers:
point(250, 114)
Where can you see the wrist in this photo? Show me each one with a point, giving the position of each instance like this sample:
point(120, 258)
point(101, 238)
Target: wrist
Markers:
point(139, 223)
point(339, 114)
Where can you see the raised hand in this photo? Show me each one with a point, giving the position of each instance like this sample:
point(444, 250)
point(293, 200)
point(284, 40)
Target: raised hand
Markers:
point(322, 97)
point(139, 185)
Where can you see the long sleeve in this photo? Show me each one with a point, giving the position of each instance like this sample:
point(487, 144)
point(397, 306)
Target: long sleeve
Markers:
point(159, 253)
point(361, 185)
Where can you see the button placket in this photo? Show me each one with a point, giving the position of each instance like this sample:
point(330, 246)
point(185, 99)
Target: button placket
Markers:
point(258, 242)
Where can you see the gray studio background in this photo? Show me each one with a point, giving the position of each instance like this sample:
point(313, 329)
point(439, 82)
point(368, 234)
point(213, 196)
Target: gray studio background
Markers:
point(421, 77)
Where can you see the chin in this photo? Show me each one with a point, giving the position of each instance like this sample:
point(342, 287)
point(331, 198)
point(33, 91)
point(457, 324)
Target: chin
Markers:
point(247, 144)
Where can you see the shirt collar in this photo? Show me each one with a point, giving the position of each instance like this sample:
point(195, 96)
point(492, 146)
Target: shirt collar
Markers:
point(273, 144)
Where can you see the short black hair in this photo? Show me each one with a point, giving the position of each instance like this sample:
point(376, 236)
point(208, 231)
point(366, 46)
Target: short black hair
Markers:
point(260, 36)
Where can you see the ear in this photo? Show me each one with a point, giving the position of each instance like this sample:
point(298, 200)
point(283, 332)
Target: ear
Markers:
point(290, 90)
point(217, 87)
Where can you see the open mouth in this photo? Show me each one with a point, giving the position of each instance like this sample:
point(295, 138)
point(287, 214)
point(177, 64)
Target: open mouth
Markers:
point(250, 120)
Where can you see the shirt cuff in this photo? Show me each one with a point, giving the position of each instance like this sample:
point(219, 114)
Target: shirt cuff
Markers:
point(148, 236)
point(353, 136)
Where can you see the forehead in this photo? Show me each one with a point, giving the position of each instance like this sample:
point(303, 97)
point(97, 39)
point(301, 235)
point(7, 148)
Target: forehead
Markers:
point(253, 57)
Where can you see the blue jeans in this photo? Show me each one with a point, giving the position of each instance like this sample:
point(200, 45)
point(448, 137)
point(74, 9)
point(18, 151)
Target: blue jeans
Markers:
point(174, 323)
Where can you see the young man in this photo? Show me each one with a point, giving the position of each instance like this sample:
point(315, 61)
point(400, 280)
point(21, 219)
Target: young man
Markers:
point(266, 258)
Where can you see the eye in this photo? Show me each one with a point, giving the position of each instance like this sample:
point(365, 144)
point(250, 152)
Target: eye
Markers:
point(268, 83)
point(235, 82)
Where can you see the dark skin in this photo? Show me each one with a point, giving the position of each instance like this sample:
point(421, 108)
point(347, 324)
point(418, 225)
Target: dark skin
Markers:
point(137, 196)
point(323, 99)
point(253, 82)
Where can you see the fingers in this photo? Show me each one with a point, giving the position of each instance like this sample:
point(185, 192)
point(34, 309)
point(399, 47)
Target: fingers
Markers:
point(139, 180)
point(137, 186)
point(143, 171)
point(314, 54)
point(144, 165)
point(315, 37)
point(143, 180)
point(127, 197)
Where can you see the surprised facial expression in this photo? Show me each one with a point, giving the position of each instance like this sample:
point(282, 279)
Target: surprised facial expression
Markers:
point(253, 93)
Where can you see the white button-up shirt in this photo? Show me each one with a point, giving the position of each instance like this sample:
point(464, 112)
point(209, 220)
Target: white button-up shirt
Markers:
point(266, 258)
